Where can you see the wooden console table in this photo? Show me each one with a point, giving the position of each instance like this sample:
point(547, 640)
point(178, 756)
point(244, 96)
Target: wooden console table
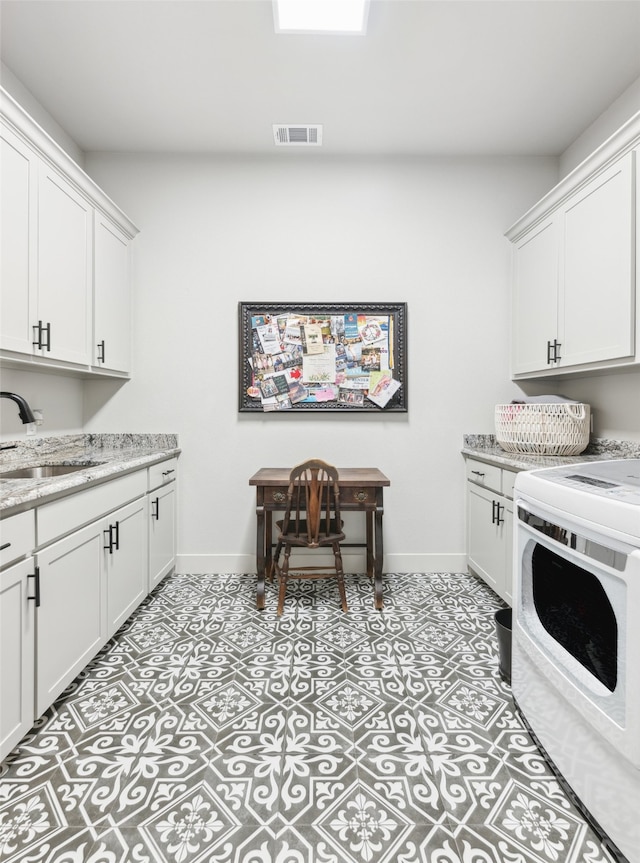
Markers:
point(360, 491)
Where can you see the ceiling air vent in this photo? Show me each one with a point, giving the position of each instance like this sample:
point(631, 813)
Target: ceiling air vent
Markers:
point(297, 136)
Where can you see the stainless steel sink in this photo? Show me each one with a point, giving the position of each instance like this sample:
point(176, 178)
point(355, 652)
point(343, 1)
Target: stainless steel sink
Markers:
point(44, 471)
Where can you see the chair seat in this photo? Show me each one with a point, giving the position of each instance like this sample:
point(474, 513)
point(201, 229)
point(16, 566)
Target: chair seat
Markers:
point(303, 542)
point(335, 532)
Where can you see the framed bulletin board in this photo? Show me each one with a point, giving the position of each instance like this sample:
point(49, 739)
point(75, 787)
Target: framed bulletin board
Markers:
point(347, 357)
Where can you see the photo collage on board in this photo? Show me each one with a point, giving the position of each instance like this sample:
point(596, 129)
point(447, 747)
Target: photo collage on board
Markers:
point(341, 359)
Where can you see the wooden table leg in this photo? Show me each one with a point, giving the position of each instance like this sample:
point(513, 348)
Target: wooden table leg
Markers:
point(268, 547)
point(379, 557)
point(260, 557)
point(369, 536)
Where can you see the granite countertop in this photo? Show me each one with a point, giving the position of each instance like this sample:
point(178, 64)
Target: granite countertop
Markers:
point(485, 448)
point(113, 454)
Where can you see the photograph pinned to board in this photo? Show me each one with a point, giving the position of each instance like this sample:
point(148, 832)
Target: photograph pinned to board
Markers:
point(348, 357)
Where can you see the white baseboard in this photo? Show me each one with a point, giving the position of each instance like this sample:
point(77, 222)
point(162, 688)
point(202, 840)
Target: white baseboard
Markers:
point(215, 563)
point(353, 561)
point(432, 562)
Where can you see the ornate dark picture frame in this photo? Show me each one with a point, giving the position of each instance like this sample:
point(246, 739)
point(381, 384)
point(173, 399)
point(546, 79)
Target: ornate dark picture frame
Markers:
point(387, 327)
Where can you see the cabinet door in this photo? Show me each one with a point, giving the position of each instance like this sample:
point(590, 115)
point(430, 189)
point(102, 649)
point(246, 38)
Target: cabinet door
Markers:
point(507, 586)
point(112, 297)
point(72, 617)
point(535, 298)
point(486, 537)
point(162, 533)
point(18, 178)
point(17, 670)
point(597, 299)
point(65, 228)
point(125, 560)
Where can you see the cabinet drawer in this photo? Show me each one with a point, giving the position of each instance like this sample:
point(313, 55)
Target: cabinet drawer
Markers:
point(62, 516)
point(17, 536)
point(486, 475)
point(276, 496)
point(161, 473)
point(360, 496)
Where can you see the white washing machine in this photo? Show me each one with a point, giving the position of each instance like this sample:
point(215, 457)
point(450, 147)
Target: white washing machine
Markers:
point(576, 633)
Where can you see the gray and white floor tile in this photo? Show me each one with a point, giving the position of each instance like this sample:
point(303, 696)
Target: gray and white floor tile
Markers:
point(208, 732)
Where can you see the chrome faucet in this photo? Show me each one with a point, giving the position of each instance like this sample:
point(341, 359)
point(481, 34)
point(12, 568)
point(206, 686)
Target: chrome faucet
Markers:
point(25, 412)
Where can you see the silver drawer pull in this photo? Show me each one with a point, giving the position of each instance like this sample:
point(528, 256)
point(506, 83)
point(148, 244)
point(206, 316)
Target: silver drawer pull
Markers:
point(167, 472)
point(477, 472)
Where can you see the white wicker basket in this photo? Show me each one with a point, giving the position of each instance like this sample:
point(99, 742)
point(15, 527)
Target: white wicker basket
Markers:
point(543, 429)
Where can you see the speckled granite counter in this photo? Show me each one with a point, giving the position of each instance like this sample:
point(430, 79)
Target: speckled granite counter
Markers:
point(112, 454)
point(484, 448)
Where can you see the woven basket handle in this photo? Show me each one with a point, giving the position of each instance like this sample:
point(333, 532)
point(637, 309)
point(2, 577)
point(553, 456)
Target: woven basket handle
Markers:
point(576, 412)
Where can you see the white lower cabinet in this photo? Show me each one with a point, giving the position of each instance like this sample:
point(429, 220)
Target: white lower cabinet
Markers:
point(72, 572)
point(72, 616)
point(162, 533)
point(508, 550)
point(125, 554)
point(17, 625)
point(490, 526)
point(90, 582)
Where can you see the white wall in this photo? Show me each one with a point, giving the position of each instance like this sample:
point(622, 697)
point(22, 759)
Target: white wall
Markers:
point(215, 232)
point(615, 403)
point(60, 398)
point(306, 228)
point(616, 115)
point(16, 89)
point(302, 228)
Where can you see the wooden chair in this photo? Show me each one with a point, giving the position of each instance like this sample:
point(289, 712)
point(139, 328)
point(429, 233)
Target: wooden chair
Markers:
point(311, 520)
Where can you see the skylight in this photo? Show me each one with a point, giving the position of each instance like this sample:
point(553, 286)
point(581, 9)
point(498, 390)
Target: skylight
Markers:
point(320, 16)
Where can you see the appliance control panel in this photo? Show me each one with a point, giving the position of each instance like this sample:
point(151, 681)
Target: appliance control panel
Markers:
point(617, 479)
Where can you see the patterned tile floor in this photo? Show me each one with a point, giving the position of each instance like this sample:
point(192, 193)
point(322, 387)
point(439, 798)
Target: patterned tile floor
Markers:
point(209, 732)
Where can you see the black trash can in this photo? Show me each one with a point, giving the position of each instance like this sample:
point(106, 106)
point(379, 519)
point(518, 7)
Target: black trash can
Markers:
point(503, 631)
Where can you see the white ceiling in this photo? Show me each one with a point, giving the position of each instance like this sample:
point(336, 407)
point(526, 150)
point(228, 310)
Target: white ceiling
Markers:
point(449, 77)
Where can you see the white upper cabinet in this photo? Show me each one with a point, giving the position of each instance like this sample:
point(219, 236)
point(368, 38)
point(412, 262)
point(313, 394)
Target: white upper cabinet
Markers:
point(111, 297)
point(63, 316)
point(18, 201)
point(535, 297)
point(595, 312)
point(66, 249)
point(575, 276)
